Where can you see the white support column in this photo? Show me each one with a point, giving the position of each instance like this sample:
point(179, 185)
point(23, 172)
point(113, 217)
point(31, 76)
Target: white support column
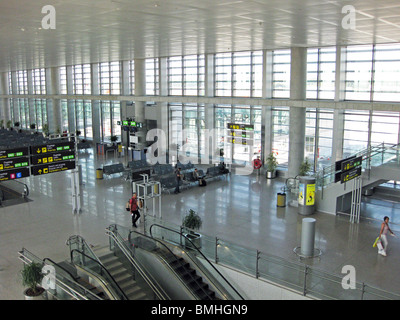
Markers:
point(5, 102)
point(31, 101)
point(338, 114)
point(140, 90)
point(96, 112)
point(298, 76)
point(162, 110)
point(266, 111)
point(209, 115)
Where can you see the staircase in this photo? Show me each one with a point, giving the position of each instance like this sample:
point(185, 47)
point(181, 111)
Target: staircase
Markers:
point(380, 164)
point(120, 274)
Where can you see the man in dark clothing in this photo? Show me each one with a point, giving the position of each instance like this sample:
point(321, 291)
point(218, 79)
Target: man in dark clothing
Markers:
point(178, 179)
point(134, 210)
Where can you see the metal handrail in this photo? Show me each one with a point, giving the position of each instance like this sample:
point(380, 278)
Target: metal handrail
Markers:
point(176, 259)
point(103, 268)
point(367, 154)
point(63, 286)
point(73, 277)
point(304, 268)
point(160, 293)
point(199, 251)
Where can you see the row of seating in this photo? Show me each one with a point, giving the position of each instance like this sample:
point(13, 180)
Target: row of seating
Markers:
point(168, 182)
point(11, 138)
point(113, 168)
point(165, 173)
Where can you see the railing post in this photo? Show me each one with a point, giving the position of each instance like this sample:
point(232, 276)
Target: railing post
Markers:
point(305, 281)
point(257, 268)
point(362, 291)
point(216, 249)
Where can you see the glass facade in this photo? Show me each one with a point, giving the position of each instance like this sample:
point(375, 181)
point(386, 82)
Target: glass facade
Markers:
point(370, 73)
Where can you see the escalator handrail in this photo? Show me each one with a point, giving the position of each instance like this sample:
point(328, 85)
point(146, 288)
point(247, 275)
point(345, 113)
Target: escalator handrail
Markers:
point(160, 293)
point(199, 251)
point(72, 276)
point(102, 267)
point(170, 251)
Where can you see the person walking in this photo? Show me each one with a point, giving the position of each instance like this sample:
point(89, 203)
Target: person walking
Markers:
point(178, 179)
point(383, 236)
point(134, 208)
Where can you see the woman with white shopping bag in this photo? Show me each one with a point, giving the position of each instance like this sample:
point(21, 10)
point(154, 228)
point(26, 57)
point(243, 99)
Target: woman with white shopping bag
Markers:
point(383, 243)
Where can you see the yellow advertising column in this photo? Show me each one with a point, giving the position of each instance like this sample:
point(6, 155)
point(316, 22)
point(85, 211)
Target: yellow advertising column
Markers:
point(306, 195)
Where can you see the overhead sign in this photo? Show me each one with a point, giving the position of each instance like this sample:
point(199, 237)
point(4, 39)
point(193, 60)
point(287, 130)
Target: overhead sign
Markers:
point(14, 174)
point(242, 141)
point(13, 153)
point(53, 157)
point(52, 167)
point(239, 126)
point(52, 147)
point(349, 164)
point(350, 174)
point(128, 123)
point(13, 163)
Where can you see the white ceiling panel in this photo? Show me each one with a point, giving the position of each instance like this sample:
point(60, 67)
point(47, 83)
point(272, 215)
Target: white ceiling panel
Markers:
point(99, 30)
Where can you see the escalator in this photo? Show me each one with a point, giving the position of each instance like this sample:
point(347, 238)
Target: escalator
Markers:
point(69, 282)
point(180, 274)
point(122, 277)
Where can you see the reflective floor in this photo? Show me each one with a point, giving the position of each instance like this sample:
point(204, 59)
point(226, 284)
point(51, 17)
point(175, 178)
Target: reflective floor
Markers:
point(239, 209)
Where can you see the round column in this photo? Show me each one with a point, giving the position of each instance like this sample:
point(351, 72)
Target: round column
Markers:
point(307, 237)
point(306, 198)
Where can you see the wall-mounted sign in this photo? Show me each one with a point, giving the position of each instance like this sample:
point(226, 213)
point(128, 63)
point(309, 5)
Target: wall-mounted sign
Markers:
point(14, 174)
point(13, 153)
point(53, 157)
point(14, 163)
point(52, 167)
point(52, 147)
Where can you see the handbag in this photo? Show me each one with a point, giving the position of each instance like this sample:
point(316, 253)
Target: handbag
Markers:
point(375, 243)
point(380, 245)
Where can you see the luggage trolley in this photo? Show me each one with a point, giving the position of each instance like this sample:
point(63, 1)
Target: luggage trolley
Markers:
point(146, 191)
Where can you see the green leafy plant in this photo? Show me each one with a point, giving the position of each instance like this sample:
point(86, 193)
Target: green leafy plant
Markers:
point(271, 162)
point(9, 122)
point(32, 278)
point(305, 167)
point(114, 138)
point(192, 220)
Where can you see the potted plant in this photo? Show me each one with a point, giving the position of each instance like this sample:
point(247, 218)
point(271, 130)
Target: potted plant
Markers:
point(46, 130)
point(32, 278)
point(113, 139)
point(2, 123)
point(305, 167)
point(192, 222)
point(8, 124)
point(271, 164)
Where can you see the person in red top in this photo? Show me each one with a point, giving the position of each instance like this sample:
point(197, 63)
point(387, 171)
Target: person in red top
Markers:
point(134, 209)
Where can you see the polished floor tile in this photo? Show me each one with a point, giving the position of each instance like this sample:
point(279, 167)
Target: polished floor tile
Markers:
point(237, 209)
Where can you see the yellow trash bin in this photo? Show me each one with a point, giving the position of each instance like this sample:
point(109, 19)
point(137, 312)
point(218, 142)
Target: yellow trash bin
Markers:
point(281, 200)
point(99, 173)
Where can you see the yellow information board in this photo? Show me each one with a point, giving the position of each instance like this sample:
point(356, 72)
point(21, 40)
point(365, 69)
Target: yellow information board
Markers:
point(310, 195)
